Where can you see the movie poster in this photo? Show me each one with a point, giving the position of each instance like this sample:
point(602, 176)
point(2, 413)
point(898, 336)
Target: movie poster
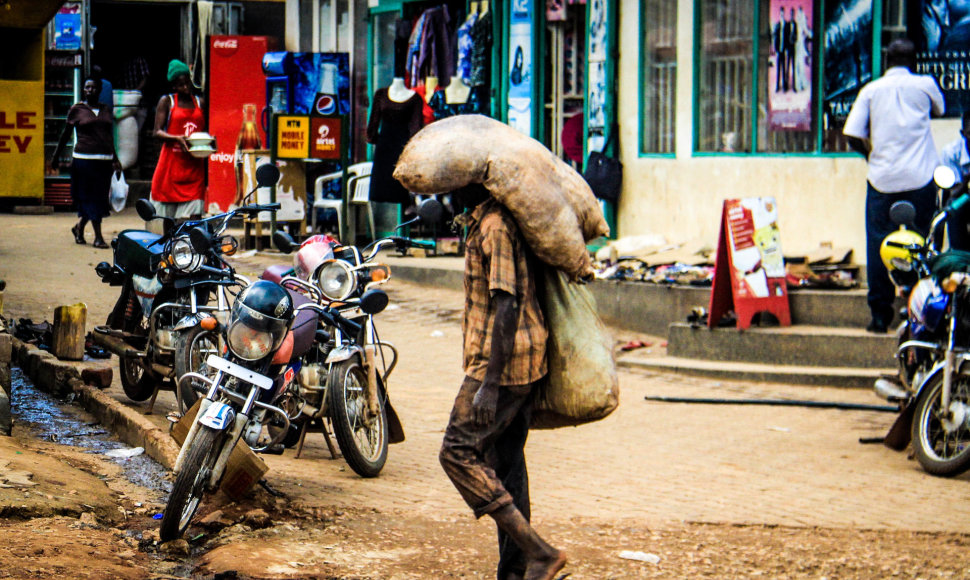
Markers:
point(942, 37)
point(848, 57)
point(790, 64)
point(520, 67)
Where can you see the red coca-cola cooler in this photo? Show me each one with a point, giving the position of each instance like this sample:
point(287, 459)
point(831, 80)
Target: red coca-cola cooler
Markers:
point(235, 80)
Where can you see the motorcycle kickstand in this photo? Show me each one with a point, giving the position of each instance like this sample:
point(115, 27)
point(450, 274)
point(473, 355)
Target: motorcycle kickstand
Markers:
point(326, 437)
point(151, 403)
point(303, 430)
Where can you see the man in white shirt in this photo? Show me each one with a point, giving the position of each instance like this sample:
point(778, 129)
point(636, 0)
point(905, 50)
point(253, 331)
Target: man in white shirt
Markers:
point(890, 125)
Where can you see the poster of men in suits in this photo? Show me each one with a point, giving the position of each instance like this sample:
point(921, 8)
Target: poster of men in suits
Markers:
point(941, 31)
point(790, 62)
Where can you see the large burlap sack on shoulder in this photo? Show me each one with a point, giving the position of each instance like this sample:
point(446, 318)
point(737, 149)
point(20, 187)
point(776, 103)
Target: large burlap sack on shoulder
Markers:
point(582, 384)
point(551, 202)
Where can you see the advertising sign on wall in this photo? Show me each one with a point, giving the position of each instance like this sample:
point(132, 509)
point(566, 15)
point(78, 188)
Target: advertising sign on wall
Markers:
point(326, 138)
point(292, 137)
point(67, 27)
point(942, 38)
point(21, 139)
point(848, 57)
point(520, 66)
point(790, 63)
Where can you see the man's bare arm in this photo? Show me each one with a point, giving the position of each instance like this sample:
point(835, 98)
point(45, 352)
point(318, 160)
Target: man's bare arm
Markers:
point(503, 338)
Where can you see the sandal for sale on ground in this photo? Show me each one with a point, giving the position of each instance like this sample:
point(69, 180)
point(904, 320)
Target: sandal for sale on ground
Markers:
point(78, 235)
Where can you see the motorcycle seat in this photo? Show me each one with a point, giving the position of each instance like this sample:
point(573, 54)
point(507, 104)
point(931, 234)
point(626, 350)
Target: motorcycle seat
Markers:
point(304, 326)
point(276, 272)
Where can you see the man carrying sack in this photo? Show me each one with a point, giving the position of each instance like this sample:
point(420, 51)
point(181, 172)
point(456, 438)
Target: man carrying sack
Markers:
point(505, 335)
point(536, 354)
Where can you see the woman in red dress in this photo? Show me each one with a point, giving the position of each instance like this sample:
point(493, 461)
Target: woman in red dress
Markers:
point(178, 186)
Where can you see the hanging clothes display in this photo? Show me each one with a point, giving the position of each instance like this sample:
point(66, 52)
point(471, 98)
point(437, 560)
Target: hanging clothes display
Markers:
point(390, 126)
point(465, 45)
point(442, 108)
point(431, 47)
point(481, 52)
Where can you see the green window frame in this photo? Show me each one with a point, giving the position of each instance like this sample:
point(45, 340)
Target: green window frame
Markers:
point(658, 76)
point(733, 66)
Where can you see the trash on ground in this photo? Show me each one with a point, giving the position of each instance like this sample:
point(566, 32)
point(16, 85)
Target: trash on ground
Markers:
point(125, 452)
point(437, 334)
point(640, 556)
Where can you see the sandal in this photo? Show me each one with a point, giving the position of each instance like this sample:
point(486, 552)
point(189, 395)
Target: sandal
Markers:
point(99, 244)
point(78, 235)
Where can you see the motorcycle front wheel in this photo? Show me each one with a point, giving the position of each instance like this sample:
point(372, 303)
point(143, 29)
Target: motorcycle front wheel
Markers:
point(137, 383)
point(942, 451)
point(192, 348)
point(190, 483)
point(363, 442)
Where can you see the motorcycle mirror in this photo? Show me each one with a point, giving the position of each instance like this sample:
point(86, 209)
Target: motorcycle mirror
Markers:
point(373, 301)
point(430, 211)
point(201, 242)
point(944, 177)
point(902, 213)
point(283, 241)
point(267, 175)
point(145, 209)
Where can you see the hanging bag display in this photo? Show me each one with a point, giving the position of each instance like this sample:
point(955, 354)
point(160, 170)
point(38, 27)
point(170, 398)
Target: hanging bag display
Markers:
point(604, 174)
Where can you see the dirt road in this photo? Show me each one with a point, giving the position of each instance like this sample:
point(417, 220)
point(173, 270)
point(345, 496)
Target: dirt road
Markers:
point(715, 491)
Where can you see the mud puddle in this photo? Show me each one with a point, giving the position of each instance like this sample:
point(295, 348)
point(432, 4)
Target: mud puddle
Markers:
point(61, 423)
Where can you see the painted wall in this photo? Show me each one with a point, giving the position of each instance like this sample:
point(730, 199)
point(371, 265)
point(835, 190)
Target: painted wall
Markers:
point(21, 139)
point(820, 199)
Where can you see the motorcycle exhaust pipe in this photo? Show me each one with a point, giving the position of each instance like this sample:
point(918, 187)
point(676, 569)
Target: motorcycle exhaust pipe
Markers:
point(890, 391)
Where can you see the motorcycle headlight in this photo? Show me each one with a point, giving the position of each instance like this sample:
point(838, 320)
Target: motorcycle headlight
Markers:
point(336, 280)
point(184, 257)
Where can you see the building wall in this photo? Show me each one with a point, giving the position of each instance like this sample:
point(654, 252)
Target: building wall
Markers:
point(820, 198)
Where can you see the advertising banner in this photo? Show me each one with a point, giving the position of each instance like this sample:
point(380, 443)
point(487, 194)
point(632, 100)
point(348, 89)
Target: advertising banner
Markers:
point(520, 66)
point(942, 39)
point(749, 273)
point(21, 139)
point(597, 77)
point(848, 57)
point(327, 138)
point(790, 63)
point(67, 27)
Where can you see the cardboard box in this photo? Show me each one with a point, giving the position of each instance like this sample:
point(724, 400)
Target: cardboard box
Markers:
point(244, 469)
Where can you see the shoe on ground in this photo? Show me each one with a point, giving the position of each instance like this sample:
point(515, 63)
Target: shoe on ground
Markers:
point(877, 327)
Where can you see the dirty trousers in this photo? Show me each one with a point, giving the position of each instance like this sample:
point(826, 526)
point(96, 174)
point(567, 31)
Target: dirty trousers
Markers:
point(487, 463)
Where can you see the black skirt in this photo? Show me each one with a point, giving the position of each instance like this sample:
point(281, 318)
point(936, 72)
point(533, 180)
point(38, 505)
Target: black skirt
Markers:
point(90, 184)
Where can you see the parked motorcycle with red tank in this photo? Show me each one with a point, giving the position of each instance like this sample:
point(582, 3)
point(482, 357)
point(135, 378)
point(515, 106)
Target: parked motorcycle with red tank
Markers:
point(297, 354)
point(172, 295)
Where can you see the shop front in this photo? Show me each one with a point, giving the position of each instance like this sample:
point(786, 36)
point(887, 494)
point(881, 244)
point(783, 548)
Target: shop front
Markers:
point(723, 99)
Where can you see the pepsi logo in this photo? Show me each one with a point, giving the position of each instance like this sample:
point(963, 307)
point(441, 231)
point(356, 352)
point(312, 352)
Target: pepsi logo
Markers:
point(326, 105)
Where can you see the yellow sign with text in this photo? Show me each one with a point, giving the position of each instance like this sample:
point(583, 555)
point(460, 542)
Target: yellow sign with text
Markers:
point(292, 137)
point(21, 139)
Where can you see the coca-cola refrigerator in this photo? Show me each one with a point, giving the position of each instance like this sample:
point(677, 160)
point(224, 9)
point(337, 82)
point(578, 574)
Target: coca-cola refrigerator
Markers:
point(235, 80)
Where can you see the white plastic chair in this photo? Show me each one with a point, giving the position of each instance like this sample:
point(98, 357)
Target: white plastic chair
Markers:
point(354, 172)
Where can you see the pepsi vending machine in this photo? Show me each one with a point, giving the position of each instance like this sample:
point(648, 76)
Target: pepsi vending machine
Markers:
point(306, 83)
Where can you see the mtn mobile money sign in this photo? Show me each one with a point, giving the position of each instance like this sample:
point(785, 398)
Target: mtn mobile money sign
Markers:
point(292, 136)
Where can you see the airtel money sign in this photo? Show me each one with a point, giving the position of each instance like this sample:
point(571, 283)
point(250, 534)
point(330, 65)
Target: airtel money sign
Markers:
point(325, 138)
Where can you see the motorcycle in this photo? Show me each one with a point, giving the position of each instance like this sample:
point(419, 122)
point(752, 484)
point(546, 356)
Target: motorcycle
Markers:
point(934, 389)
point(271, 375)
point(337, 384)
point(163, 324)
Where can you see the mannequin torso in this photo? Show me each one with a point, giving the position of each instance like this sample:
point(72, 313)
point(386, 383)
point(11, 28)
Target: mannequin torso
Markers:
point(397, 92)
point(457, 91)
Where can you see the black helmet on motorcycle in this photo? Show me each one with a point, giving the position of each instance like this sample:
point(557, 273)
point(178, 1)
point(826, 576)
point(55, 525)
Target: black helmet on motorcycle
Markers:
point(259, 321)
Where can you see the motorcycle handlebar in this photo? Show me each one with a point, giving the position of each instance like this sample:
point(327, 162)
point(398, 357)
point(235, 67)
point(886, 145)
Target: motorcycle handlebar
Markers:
point(332, 317)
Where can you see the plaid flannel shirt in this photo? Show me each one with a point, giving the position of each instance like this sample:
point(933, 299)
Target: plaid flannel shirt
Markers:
point(496, 258)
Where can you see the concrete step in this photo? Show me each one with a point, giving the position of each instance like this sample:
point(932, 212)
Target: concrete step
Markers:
point(798, 345)
point(790, 374)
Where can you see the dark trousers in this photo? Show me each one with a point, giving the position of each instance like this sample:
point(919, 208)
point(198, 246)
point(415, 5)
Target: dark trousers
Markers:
point(958, 228)
point(882, 293)
point(486, 463)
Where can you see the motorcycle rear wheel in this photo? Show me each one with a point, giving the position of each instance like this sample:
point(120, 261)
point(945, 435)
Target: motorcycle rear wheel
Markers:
point(137, 384)
point(192, 348)
point(940, 452)
point(364, 446)
point(190, 483)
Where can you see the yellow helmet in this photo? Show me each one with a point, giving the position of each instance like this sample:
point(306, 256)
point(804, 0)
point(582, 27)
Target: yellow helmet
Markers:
point(895, 252)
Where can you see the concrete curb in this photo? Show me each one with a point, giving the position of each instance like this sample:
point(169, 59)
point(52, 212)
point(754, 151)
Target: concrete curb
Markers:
point(61, 378)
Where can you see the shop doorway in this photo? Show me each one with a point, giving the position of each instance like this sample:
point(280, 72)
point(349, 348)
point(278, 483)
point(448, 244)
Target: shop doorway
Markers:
point(564, 77)
point(152, 32)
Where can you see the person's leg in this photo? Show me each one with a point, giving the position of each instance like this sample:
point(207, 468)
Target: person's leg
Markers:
point(507, 458)
point(98, 238)
point(462, 456)
point(881, 290)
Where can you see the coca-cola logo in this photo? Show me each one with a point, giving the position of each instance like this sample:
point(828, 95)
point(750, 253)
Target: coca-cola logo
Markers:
point(225, 46)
